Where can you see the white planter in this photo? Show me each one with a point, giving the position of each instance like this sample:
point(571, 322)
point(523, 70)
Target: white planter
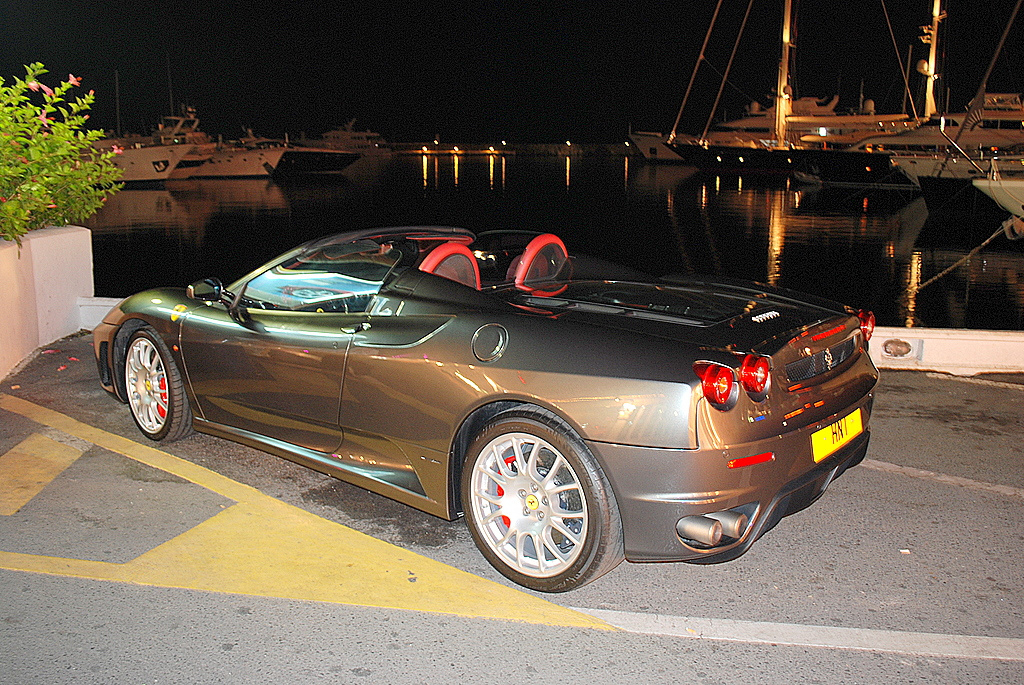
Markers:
point(39, 289)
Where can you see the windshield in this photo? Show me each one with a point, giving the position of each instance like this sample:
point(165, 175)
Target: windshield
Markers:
point(341, 277)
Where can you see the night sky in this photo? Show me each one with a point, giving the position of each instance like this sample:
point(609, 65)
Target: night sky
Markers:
point(481, 71)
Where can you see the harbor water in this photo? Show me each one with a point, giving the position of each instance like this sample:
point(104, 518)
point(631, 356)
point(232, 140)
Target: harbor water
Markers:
point(873, 249)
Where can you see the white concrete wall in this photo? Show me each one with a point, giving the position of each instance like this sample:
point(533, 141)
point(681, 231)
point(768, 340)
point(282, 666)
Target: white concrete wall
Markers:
point(956, 351)
point(39, 289)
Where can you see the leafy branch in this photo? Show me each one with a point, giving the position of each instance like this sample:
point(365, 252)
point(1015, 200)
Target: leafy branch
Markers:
point(50, 172)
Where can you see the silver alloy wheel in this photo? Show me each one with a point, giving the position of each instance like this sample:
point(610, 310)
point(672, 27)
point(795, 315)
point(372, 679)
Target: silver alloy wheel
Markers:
point(146, 381)
point(530, 504)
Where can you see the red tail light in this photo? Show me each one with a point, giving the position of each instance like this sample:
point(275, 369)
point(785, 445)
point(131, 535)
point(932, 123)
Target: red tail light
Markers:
point(867, 323)
point(755, 374)
point(718, 384)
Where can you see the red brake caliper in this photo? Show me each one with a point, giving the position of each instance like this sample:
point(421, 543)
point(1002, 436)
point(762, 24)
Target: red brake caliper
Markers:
point(501, 492)
point(163, 398)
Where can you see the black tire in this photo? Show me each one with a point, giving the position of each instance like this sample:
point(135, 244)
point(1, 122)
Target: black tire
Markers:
point(153, 386)
point(538, 505)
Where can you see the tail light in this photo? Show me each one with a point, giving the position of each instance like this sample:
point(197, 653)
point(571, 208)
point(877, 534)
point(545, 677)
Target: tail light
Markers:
point(867, 323)
point(718, 383)
point(755, 375)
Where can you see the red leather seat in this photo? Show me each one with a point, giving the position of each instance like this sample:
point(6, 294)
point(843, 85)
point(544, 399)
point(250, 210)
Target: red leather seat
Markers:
point(455, 262)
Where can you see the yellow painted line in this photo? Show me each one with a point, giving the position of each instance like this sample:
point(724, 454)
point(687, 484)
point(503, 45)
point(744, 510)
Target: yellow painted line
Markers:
point(264, 547)
point(29, 467)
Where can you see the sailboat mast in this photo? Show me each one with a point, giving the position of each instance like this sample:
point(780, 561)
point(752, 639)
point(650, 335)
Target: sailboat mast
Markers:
point(783, 91)
point(931, 36)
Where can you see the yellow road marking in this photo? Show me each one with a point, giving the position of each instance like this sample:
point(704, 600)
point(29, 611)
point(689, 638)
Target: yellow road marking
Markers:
point(262, 546)
point(29, 467)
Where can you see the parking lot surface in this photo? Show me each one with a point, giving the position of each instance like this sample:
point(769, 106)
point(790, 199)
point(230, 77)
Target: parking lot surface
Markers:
point(123, 560)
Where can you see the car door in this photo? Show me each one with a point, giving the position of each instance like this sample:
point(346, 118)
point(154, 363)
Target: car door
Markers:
point(275, 364)
point(278, 374)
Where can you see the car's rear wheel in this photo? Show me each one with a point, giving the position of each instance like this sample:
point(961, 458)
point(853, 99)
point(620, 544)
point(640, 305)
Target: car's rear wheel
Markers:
point(538, 504)
point(154, 388)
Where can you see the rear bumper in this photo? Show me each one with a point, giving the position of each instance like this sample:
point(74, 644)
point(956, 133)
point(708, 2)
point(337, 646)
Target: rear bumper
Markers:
point(655, 488)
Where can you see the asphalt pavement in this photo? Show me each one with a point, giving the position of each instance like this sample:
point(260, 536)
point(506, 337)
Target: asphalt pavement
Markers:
point(202, 561)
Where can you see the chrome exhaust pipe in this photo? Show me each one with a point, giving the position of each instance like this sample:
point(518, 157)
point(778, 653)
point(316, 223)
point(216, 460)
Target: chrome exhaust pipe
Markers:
point(700, 528)
point(733, 523)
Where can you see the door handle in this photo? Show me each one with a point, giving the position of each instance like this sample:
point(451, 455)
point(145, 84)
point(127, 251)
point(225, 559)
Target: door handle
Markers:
point(361, 326)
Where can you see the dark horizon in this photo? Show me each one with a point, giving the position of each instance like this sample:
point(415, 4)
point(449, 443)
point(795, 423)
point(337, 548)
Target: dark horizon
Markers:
point(485, 72)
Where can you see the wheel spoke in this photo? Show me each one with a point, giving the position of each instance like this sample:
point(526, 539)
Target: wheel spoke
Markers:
point(573, 537)
point(556, 551)
point(521, 555)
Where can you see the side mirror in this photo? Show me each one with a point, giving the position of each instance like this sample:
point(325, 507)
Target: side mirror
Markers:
point(207, 290)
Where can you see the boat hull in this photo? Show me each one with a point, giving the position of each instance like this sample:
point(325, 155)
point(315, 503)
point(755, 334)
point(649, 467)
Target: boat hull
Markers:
point(313, 161)
point(148, 164)
point(829, 167)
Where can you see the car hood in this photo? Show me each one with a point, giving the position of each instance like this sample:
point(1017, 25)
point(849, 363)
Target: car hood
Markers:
point(692, 310)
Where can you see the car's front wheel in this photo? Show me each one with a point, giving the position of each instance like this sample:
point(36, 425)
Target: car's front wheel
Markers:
point(538, 504)
point(154, 388)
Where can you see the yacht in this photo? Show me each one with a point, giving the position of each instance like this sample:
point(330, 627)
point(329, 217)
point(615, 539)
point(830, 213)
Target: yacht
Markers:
point(1007, 191)
point(258, 157)
point(813, 124)
point(348, 139)
point(793, 136)
point(184, 130)
point(140, 161)
point(959, 147)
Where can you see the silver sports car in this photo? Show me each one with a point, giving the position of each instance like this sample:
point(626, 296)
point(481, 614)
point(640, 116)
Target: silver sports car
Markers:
point(575, 412)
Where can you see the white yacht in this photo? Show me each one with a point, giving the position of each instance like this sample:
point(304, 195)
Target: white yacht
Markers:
point(959, 146)
point(140, 161)
point(1007, 191)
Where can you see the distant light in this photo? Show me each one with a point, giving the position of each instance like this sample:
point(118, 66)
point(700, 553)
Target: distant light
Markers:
point(627, 143)
point(568, 143)
point(424, 148)
point(456, 148)
point(822, 131)
point(491, 148)
point(504, 142)
point(436, 141)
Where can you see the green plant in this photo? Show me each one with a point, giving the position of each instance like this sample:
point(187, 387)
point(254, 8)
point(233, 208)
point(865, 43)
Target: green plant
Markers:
point(50, 173)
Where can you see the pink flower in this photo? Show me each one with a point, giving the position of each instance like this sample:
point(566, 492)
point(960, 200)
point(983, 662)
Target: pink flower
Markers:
point(42, 117)
point(51, 206)
point(35, 87)
point(74, 80)
point(118, 150)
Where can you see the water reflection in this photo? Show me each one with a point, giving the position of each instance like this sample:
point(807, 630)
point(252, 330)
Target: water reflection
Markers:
point(870, 250)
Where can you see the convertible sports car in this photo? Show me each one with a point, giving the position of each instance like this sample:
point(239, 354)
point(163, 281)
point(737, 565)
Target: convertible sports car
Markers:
point(574, 412)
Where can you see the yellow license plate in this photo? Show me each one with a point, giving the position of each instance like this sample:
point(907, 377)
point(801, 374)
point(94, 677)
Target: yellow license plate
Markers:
point(834, 436)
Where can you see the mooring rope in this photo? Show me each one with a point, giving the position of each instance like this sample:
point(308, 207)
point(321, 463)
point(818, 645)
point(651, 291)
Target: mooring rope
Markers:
point(960, 261)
